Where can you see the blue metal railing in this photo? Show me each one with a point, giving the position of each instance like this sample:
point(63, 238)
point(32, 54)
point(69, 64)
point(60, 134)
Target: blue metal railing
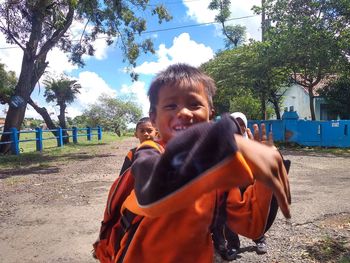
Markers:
point(334, 133)
point(75, 133)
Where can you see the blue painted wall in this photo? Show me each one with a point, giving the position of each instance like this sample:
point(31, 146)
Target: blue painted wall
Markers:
point(308, 133)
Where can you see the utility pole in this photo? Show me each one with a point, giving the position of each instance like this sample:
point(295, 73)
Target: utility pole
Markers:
point(263, 38)
point(263, 22)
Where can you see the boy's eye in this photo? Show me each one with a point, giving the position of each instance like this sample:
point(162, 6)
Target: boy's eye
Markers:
point(170, 107)
point(195, 105)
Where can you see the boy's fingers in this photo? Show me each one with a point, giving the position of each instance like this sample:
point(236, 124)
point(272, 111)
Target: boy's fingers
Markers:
point(270, 139)
point(263, 132)
point(249, 133)
point(256, 132)
point(283, 177)
point(281, 195)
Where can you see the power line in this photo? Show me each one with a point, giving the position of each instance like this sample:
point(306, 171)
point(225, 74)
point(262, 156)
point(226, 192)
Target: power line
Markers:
point(170, 28)
point(195, 25)
point(174, 3)
point(8, 47)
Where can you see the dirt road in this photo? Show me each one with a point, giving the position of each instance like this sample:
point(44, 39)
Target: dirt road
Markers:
point(51, 212)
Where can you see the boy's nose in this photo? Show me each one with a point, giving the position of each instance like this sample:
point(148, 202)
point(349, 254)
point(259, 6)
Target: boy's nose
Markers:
point(184, 112)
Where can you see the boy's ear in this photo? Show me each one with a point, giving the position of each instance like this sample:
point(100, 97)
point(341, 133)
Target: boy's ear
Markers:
point(211, 114)
point(135, 134)
point(152, 117)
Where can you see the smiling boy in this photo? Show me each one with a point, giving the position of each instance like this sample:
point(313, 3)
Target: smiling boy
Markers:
point(176, 191)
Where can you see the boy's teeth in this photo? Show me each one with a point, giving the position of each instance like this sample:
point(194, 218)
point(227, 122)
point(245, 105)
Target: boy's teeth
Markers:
point(180, 128)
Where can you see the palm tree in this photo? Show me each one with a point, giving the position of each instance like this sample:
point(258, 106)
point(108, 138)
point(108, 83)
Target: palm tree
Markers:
point(62, 91)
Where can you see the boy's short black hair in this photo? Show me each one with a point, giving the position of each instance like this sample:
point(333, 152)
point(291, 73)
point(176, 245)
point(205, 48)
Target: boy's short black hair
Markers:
point(141, 121)
point(183, 74)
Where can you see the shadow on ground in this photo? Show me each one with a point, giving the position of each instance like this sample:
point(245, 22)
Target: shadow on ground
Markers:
point(330, 249)
point(45, 162)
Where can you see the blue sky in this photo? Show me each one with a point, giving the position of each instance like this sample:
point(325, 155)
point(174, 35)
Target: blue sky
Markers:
point(105, 73)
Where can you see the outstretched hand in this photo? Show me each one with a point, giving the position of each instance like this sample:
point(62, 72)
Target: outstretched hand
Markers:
point(267, 167)
point(264, 138)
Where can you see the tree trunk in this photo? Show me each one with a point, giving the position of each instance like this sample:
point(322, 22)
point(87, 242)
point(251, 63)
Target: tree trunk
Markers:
point(14, 119)
point(45, 115)
point(312, 108)
point(275, 102)
point(263, 107)
point(62, 121)
point(15, 115)
point(311, 99)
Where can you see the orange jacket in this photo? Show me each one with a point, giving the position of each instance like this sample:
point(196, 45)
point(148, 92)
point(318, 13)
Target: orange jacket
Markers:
point(177, 191)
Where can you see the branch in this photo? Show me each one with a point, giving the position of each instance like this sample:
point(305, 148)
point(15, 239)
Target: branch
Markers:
point(57, 34)
point(9, 31)
point(82, 33)
point(225, 33)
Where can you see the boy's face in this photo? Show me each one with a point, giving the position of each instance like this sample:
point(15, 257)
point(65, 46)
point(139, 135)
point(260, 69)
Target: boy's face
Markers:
point(241, 125)
point(178, 108)
point(145, 131)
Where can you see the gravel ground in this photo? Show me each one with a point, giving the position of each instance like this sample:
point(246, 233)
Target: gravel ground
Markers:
point(51, 212)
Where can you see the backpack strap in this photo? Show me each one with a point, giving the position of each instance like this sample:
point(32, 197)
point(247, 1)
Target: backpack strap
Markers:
point(152, 144)
point(129, 223)
point(126, 219)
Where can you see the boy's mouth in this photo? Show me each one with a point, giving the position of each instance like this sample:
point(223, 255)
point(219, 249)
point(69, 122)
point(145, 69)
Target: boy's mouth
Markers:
point(178, 128)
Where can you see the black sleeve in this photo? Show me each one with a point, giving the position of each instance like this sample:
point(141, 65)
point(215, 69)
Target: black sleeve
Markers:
point(199, 148)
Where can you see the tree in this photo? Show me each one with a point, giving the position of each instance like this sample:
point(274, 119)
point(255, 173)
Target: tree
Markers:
point(311, 38)
point(235, 35)
point(248, 104)
point(62, 91)
point(337, 96)
point(112, 114)
point(7, 84)
point(80, 121)
point(251, 68)
point(38, 26)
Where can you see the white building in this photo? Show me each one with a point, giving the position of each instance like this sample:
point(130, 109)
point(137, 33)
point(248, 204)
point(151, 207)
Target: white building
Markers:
point(297, 98)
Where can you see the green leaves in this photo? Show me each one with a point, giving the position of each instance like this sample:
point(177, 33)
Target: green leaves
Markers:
point(45, 24)
point(113, 114)
point(8, 82)
point(337, 96)
point(252, 70)
point(63, 90)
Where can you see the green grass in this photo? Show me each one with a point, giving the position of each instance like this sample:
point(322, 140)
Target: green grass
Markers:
point(330, 249)
point(49, 140)
point(51, 153)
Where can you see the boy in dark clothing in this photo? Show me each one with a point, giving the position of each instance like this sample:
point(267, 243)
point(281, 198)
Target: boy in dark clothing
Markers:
point(144, 131)
point(226, 242)
point(176, 192)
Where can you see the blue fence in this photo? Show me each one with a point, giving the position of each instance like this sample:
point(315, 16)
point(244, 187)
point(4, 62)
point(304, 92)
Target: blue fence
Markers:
point(73, 133)
point(333, 133)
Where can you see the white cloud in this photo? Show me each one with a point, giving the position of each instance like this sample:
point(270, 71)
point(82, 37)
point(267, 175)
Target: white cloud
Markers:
point(183, 50)
point(198, 11)
point(59, 62)
point(101, 49)
point(138, 91)
point(73, 111)
point(100, 44)
point(10, 55)
point(93, 86)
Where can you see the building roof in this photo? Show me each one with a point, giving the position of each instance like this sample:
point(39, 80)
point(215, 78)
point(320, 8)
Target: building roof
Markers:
point(324, 82)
